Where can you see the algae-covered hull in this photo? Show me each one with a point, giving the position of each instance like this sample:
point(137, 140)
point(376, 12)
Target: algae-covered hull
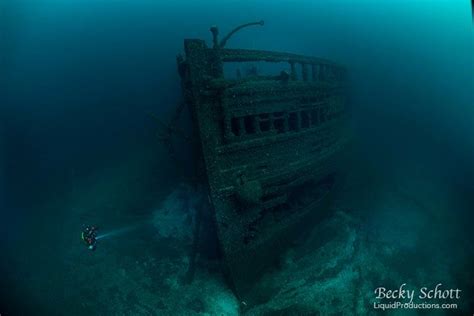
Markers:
point(270, 147)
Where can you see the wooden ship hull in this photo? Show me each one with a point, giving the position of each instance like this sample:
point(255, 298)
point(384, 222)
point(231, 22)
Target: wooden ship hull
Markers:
point(270, 148)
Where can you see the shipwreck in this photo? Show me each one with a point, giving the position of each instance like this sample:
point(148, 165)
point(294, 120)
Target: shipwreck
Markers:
point(269, 147)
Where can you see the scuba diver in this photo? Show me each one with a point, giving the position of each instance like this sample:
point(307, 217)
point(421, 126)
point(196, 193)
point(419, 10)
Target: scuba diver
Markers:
point(89, 236)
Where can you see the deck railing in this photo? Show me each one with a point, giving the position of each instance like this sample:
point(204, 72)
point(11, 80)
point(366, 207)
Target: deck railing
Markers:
point(312, 69)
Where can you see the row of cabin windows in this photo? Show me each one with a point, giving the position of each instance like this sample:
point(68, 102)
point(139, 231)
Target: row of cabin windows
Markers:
point(296, 70)
point(281, 122)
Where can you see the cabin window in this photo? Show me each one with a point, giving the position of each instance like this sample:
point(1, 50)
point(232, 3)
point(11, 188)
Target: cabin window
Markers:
point(292, 122)
point(279, 125)
point(249, 124)
point(235, 126)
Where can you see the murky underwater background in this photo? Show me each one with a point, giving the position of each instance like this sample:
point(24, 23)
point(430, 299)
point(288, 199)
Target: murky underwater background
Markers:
point(78, 146)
